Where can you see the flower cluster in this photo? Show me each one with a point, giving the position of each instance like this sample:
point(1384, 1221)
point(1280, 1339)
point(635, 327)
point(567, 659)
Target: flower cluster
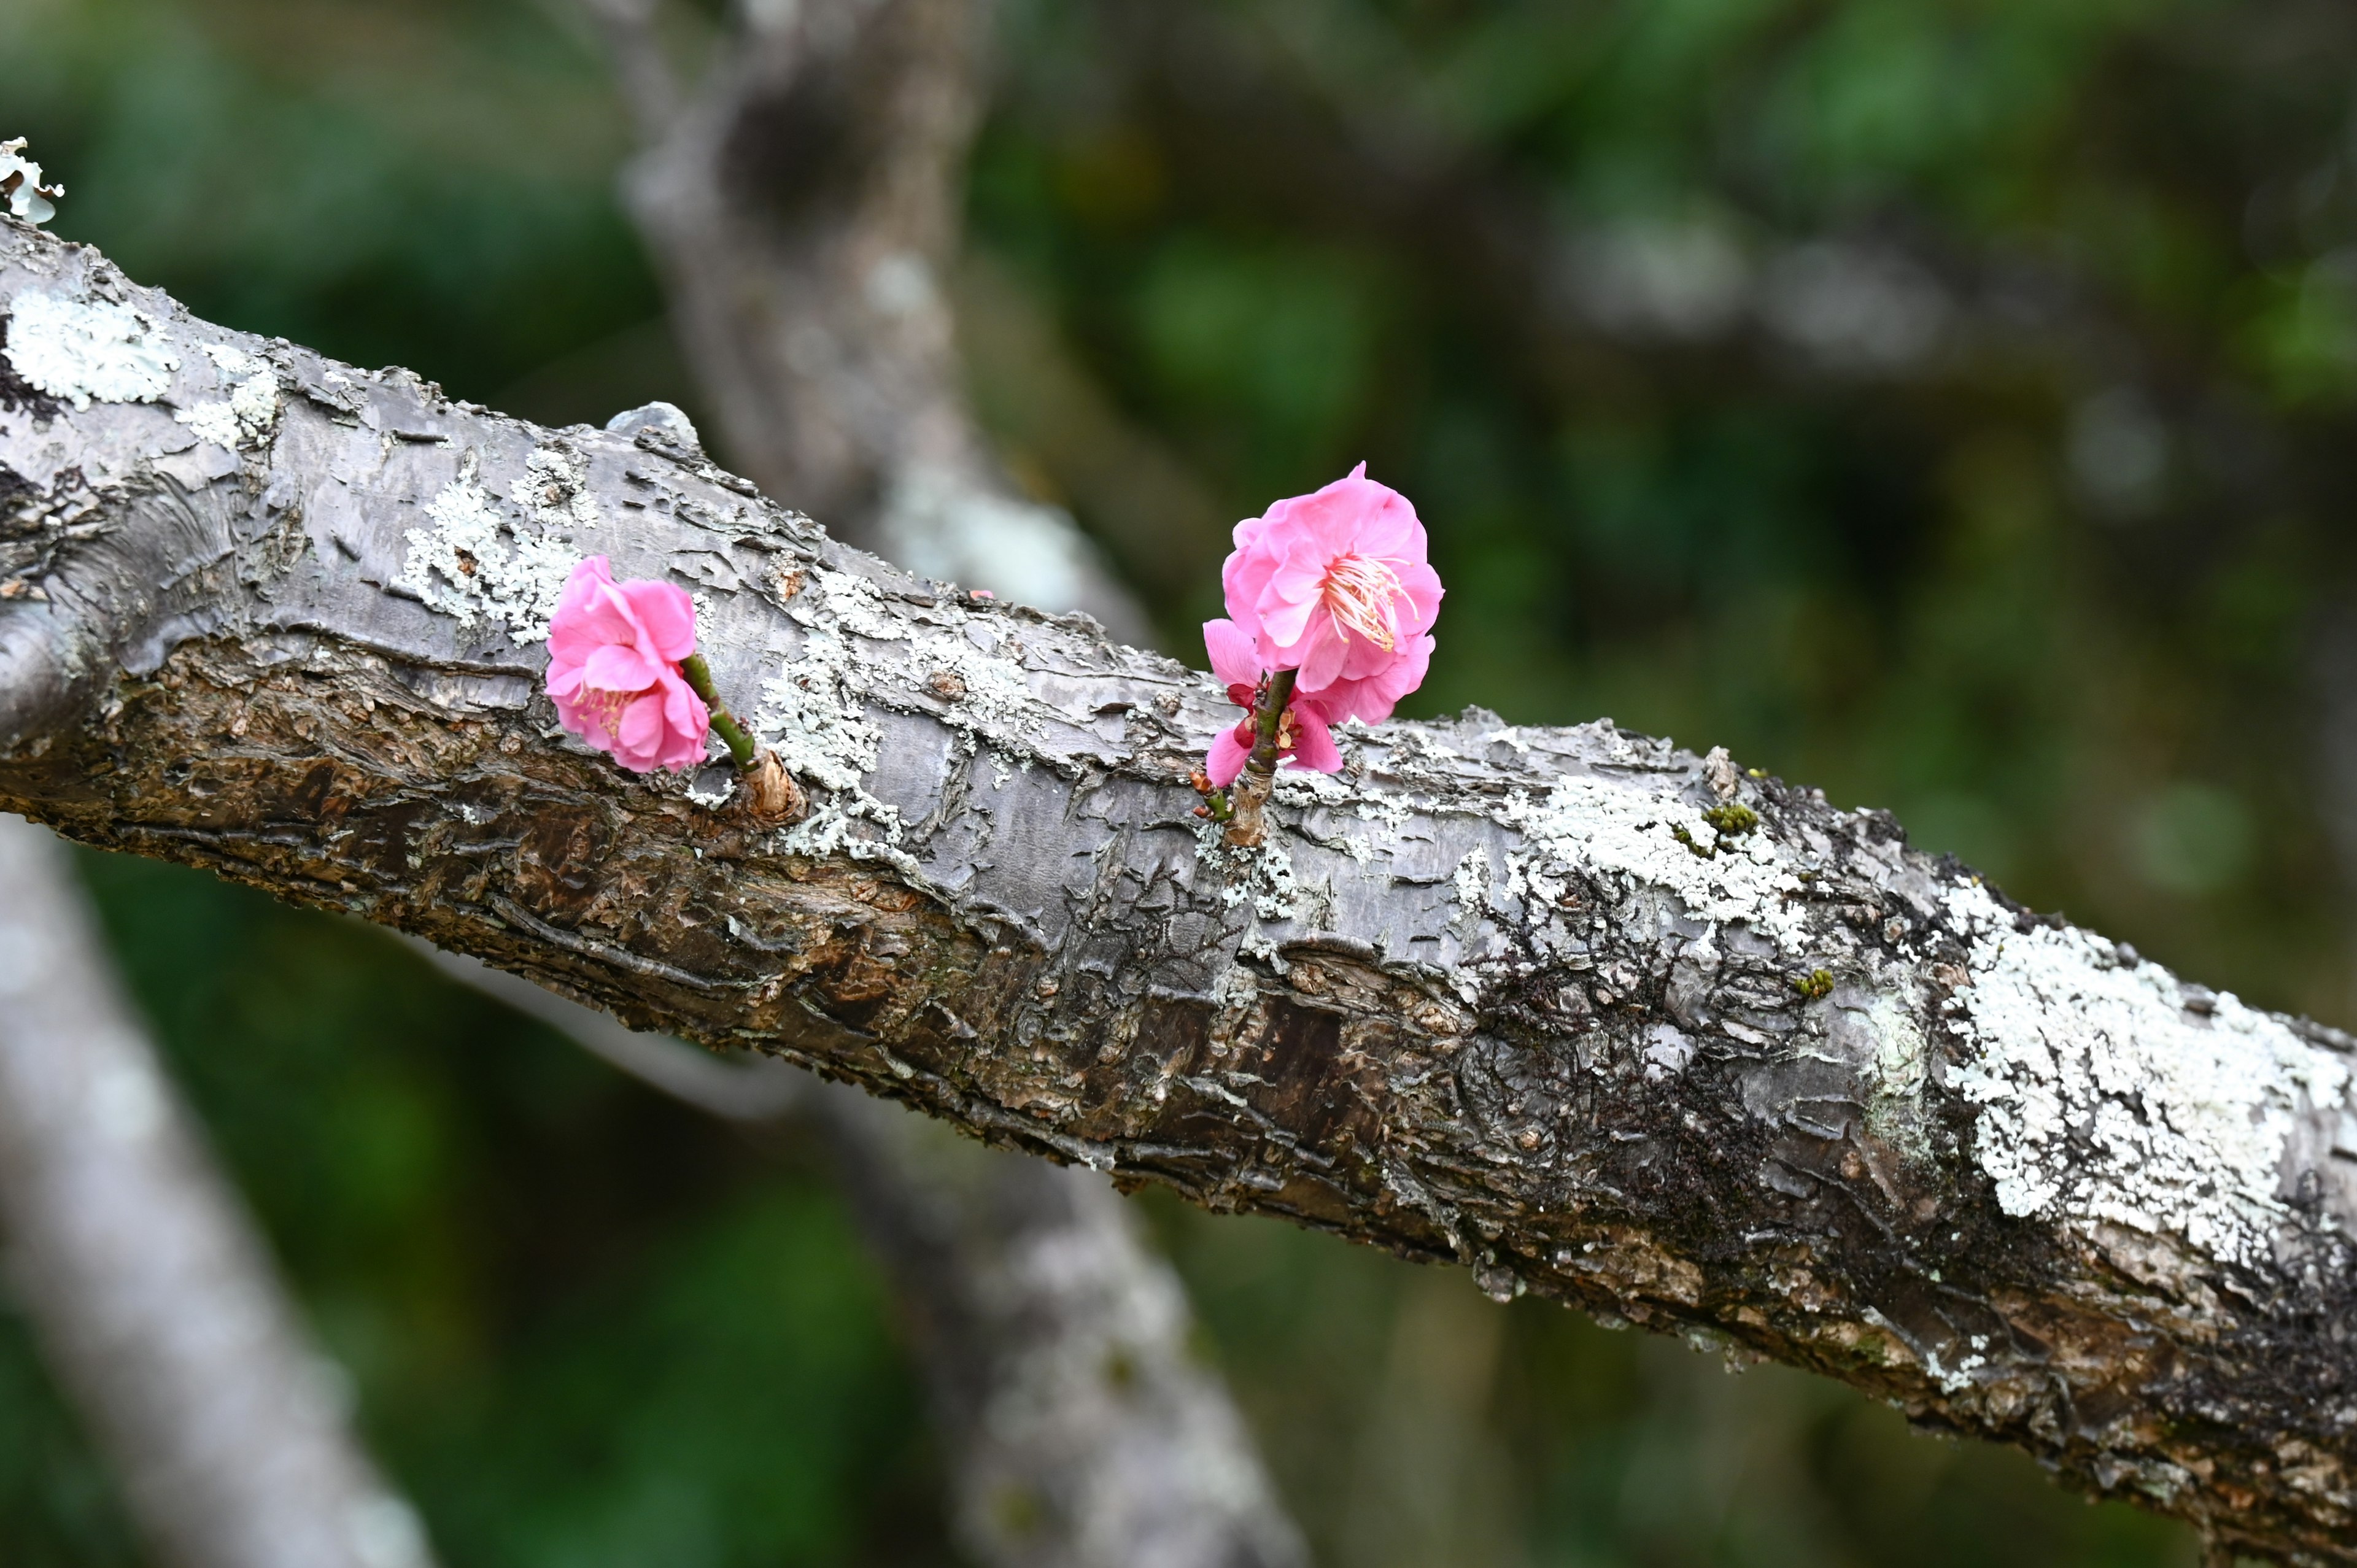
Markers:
point(1334, 587)
point(615, 651)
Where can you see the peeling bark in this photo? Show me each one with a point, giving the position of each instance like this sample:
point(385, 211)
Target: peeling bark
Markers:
point(1581, 1012)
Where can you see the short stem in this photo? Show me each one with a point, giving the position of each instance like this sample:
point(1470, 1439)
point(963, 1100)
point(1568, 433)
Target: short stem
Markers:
point(698, 676)
point(1248, 824)
point(1268, 719)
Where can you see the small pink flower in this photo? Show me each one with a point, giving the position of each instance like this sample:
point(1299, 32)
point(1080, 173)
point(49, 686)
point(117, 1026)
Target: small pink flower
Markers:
point(1336, 586)
point(614, 652)
point(1303, 736)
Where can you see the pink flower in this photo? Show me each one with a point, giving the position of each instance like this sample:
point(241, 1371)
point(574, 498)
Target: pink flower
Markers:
point(1336, 586)
point(1303, 735)
point(614, 652)
point(1372, 698)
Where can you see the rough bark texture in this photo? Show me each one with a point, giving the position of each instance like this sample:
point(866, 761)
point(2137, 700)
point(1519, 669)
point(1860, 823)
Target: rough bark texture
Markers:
point(802, 202)
point(1584, 1012)
point(151, 1295)
point(1081, 1430)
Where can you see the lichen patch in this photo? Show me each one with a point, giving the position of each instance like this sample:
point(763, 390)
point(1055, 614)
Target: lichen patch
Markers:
point(88, 353)
point(249, 411)
point(2108, 1092)
point(814, 716)
point(813, 711)
point(1588, 827)
point(478, 563)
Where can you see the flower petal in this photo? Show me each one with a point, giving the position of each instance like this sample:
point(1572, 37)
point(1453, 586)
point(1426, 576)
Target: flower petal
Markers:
point(1233, 659)
point(1313, 743)
point(668, 615)
point(1226, 759)
point(638, 737)
point(1282, 622)
point(617, 667)
point(1322, 655)
point(1424, 591)
point(591, 571)
point(688, 723)
point(1388, 526)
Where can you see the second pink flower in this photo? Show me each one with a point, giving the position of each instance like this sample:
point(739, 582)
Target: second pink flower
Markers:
point(1335, 586)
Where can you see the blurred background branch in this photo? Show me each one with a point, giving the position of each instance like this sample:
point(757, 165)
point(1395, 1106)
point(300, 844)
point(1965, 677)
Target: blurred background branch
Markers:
point(1084, 1430)
point(152, 1295)
point(802, 201)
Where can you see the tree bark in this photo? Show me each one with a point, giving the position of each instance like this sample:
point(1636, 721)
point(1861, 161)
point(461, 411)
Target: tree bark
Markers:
point(151, 1295)
point(1576, 1010)
point(1081, 1431)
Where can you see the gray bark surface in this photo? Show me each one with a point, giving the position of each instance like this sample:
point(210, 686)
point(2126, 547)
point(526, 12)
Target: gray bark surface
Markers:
point(1576, 1010)
point(1081, 1430)
point(150, 1292)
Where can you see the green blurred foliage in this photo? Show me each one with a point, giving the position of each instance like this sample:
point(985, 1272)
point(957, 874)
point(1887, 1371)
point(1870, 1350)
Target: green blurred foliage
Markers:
point(585, 1327)
point(1940, 401)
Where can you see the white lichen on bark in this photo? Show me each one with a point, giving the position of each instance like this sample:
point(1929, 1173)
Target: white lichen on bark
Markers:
point(1594, 826)
point(84, 351)
point(251, 408)
point(2111, 1091)
point(476, 562)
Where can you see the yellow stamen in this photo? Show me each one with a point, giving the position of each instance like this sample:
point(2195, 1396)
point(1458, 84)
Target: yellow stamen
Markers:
point(1361, 593)
point(605, 707)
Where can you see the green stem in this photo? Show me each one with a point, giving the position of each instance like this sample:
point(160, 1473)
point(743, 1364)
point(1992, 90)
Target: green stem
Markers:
point(698, 676)
point(1266, 721)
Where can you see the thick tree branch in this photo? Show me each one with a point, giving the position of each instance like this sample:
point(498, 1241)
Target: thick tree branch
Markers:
point(1579, 1011)
point(152, 1296)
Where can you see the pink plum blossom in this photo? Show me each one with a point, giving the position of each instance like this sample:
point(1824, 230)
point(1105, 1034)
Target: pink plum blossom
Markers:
point(1334, 585)
point(614, 652)
point(1304, 736)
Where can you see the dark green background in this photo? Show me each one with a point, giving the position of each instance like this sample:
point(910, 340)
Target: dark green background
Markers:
point(586, 1327)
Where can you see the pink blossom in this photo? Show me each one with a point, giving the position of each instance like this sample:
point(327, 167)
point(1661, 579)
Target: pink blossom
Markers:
point(614, 652)
point(1304, 736)
point(1371, 699)
point(1334, 585)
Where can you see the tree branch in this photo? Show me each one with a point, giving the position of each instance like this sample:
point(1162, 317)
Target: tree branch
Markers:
point(153, 1298)
point(1581, 1012)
